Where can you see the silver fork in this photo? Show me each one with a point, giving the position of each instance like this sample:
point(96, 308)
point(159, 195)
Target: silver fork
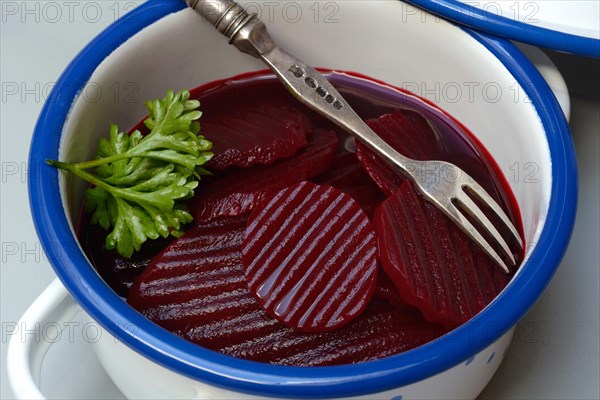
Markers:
point(452, 196)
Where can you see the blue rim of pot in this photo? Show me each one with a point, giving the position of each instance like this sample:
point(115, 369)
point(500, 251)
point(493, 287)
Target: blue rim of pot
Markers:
point(186, 358)
point(469, 15)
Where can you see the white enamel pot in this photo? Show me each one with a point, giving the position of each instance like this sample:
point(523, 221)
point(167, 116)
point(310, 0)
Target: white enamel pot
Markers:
point(483, 81)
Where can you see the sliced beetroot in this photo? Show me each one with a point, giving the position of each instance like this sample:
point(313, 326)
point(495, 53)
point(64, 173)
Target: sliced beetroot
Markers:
point(380, 331)
point(310, 257)
point(237, 191)
point(347, 174)
point(258, 135)
point(198, 272)
point(196, 288)
point(406, 131)
point(414, 136)
point(434, 265)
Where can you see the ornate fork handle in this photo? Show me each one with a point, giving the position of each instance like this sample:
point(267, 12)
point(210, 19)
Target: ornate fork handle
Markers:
point(245, 31)
point(249, 35)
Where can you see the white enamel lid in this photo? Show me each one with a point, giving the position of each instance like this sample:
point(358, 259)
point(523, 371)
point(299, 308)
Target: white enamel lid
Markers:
point(569, 26)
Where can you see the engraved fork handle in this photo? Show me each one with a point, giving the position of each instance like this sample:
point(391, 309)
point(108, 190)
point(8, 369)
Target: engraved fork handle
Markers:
point(249, 34)
point(245, 31)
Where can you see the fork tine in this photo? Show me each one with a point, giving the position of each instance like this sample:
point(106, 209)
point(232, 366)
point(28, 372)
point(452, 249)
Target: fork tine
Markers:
point(455, 214)
point(469, 206)
point(476, 190)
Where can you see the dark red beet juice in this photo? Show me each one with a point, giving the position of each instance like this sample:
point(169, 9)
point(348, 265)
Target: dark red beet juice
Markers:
point(441, 138)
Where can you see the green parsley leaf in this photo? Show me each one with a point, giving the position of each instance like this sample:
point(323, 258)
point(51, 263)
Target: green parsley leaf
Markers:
point(139, 180)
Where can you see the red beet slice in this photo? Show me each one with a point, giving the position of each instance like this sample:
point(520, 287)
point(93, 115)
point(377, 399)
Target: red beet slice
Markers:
point(347, 174)
point(310, 257)
point(196, 288)
point(380, 331)
point(406, 131)
point(198, 272)
point(238, 191)
point(258, 135)
point(411, 134)
point(434, 265)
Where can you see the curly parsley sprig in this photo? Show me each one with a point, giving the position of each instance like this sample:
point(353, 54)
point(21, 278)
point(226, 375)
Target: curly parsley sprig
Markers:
point(138, 180)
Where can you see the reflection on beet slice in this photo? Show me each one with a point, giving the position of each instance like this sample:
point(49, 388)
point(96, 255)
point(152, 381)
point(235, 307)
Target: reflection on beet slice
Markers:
point(258, 135)
point(238, 191)
point(435, 267)
point(347, 174)
point(310, 257)
point(196, 288)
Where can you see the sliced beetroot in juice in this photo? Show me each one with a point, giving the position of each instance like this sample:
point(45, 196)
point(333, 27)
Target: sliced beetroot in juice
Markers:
point(406, 131)
point(237, 191)
point(380, 331)
point(415, 137)
point(197, 273)
point(347, 174)
point(258, 135)
point(434, 265)
point(310, 257)
point(196, 288)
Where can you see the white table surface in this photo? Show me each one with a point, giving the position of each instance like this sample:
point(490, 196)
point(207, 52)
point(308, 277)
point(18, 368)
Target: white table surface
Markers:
point(556, 351)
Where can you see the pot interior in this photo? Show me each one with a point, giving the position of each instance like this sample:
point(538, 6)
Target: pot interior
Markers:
point(457, 73)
